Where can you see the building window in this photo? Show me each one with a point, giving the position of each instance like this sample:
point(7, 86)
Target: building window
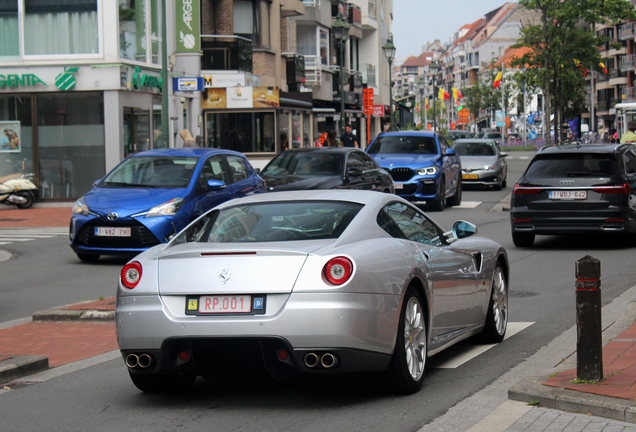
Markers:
point(156, 23)
point(60, 27)
point(132, 30)
point(9, 30)
point(324, 47)
point(251, 21)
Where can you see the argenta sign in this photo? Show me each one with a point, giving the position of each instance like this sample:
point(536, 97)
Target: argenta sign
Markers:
point(188, 26)
point(15, 80)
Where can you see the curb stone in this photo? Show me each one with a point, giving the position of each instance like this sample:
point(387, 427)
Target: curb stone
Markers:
point(18, 366)
point(504, 204)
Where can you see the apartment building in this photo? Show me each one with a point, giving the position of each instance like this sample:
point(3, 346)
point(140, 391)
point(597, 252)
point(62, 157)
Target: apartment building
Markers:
point(80, 85)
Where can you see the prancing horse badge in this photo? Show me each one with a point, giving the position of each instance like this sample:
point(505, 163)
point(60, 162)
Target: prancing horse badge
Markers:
point(225, 276)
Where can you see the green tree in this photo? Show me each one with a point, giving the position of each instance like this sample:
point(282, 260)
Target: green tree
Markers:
point(561, 45)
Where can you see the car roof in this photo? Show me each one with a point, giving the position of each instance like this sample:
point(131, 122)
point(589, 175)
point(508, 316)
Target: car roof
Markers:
point(351, 195)
point(322, 150)
point(186, 151)
point(582, 148)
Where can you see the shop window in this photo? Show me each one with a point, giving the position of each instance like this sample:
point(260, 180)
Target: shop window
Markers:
point(60, 27)
point(70, 142)
point(9, 30)
point(245, 132)
point(16, 121)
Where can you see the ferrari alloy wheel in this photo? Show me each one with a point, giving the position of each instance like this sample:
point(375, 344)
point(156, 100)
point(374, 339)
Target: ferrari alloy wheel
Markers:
point(409, 358)
point(155, 383)
point(497, 317)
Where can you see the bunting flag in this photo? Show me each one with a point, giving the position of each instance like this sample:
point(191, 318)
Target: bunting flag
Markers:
point(426, 103)
point(417, 107)
point(497, 80)
point(457, 102)
point(603, 66)
point(457, 94)
point(443, 94)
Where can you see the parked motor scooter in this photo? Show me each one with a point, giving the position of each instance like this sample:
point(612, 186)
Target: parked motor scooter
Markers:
point(18, 189)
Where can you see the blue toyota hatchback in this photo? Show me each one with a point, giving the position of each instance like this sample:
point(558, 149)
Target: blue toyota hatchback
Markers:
point(152, 195)
point(423, 166)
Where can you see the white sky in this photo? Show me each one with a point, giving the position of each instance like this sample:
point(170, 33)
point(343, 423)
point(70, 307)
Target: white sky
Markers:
point(416, 22)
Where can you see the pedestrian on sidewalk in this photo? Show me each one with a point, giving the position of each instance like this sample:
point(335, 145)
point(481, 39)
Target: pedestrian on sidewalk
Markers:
point(349, 139)
point(630, 136)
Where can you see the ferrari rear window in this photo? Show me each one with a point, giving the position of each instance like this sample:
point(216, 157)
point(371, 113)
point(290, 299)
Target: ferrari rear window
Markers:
point(572, 165)
point(275, 221)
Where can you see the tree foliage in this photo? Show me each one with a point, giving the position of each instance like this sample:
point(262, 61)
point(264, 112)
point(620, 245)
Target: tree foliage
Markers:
point(562, 46)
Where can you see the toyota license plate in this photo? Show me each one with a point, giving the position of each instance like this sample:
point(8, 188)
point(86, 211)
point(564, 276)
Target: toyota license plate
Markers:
point(470, 177)
point(225, 304)
point(112, 232)
point(398, 185)
point(568, 195)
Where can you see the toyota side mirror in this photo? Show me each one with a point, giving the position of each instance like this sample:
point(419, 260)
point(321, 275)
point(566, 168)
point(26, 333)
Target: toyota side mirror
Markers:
point(215, 185)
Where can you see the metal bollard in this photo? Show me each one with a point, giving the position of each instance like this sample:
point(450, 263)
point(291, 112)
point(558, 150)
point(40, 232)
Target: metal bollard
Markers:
point(589, 345)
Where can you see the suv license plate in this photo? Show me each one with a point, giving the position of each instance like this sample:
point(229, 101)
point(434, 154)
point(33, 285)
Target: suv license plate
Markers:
point(112, 232)
point(568, 195)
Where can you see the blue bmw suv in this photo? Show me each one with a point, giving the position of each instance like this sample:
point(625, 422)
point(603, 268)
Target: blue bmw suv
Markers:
point(423, 166)
point(152, 195)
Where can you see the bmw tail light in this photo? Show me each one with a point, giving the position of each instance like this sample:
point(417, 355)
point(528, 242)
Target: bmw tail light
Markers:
point(131, 274)
point(524, 190)
point(338, 270)
point(624, 189)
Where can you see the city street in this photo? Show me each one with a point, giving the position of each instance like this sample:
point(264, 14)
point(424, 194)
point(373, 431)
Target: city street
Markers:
point(45, 273)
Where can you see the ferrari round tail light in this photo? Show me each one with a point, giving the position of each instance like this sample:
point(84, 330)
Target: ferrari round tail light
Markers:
point(131, 274)
point(338, 270)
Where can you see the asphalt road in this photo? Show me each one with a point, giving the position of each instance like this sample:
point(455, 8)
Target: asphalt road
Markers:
point(101, 398)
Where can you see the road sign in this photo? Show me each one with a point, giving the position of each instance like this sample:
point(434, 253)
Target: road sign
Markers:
point(463, 113)
point(530, 119)
point(378, 110)
point(532, 135)
point(453, 126)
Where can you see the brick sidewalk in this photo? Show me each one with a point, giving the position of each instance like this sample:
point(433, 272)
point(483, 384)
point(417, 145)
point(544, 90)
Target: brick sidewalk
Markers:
point(61, 342)
point(11, 217)
point(619, 369)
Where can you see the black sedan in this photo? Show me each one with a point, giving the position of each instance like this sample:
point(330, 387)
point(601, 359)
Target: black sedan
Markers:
point(325, 168)
point(574, 189)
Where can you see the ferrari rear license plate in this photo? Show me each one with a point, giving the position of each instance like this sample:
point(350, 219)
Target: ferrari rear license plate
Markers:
point(398, 185)
point(470, 177)
point(225, 304)
point(112, 232)
point(568, 195)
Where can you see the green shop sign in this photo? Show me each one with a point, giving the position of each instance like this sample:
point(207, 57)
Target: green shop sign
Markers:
point(188, 26)
point(142, 80)
point(15, 80)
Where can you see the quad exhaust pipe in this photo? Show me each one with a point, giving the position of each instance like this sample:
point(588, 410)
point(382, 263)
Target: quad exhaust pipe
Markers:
point(327, 360)
point(141, 361)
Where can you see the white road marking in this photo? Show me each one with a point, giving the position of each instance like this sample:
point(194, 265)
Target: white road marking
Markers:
point(468, 204)
point(1, 243)
point(524, 157)
point(447, 362)
point(7, 236)
point(15, 239)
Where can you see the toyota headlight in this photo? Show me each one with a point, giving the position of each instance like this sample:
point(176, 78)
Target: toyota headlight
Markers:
point(80, 208)
point(168, 208)
point(427, 171)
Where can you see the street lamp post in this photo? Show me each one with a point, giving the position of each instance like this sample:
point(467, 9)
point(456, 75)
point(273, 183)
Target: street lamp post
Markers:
point(340, 31)
point(389, 52)
point(433, 68)
point(422, 85)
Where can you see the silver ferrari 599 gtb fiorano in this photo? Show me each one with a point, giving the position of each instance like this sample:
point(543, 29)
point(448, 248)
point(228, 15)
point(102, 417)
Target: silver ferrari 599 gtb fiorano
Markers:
point(318, 282)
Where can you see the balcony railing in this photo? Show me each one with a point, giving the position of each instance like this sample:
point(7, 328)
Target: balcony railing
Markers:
point(601, 76)
point(630, 94)
point(313, 70)
point(628, 63)
point(602, 106)
point(617, 73)
point(221, 52)
point(312, 3)
point(627, 31)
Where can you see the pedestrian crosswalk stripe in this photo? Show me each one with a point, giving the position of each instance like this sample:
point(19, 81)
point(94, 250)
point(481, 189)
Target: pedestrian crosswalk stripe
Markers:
point(456, 356)
point(468, 204)
point(10, 235)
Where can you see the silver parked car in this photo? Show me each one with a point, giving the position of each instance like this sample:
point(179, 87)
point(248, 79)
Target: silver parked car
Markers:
point(483, 163)
point(318, 282)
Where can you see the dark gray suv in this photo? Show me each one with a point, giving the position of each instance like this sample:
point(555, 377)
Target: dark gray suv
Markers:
point(575, 188)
